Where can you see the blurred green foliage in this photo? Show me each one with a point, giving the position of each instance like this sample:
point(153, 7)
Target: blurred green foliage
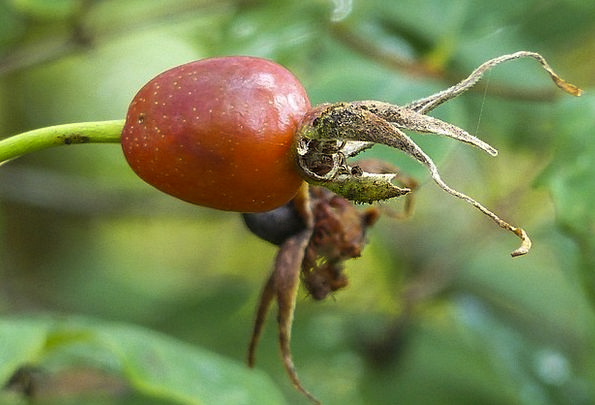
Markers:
point(436, 312)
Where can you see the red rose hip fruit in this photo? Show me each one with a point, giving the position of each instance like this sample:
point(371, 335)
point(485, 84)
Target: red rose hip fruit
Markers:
point(219, 133)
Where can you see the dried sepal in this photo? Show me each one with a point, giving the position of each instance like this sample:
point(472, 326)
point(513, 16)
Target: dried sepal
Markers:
point(339, 235)
point(330, 133)
point(408, 182)
point(408, 119)
point(334, 232)
point(362, 187)
point(282, 287)
point(361, 124)
point(427, 104)
point(287, 269)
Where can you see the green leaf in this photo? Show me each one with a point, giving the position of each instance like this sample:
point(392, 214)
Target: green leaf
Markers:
point(153, 364)
point(21, 343)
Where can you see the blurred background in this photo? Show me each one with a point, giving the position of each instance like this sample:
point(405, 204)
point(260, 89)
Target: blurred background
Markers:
point(436, 311)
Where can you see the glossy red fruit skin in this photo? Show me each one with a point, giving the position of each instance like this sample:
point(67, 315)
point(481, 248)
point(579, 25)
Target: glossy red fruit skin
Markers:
point(218, 133)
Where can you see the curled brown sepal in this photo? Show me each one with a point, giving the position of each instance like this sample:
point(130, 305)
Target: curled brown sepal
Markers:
point(331, 133)
point(282, 286)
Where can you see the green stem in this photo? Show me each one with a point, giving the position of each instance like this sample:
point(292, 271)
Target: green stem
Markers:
point(67, 134)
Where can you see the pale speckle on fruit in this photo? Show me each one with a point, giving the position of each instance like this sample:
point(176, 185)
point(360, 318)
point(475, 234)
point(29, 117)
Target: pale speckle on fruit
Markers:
point(221, 99)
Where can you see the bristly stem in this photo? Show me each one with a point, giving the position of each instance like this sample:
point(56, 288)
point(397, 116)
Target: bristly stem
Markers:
point(58, 135)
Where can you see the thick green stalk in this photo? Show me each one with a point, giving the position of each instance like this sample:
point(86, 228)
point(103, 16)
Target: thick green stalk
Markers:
point(67, 134)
